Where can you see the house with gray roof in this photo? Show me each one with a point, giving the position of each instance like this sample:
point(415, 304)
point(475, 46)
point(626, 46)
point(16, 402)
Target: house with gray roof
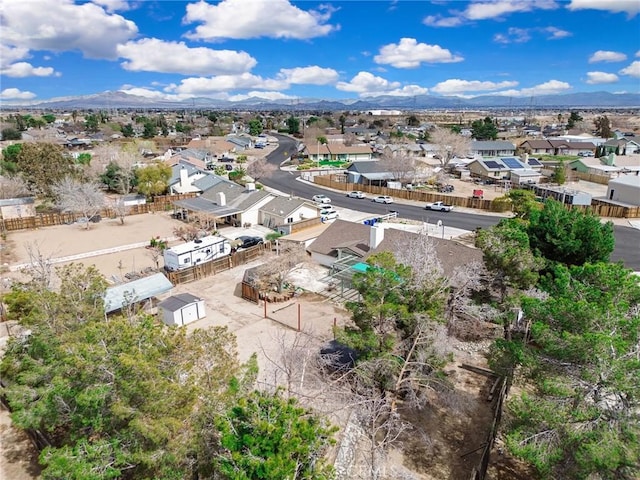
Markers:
point(369, 173)
point(240, 142)
point(517, 170)
point(492, 148)
point(286, 210)
point(625, 190)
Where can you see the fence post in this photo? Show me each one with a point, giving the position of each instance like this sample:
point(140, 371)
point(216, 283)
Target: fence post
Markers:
point(299, 316)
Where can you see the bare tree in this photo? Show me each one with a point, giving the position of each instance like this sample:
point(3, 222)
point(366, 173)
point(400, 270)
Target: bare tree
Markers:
point(291, 356)
point(350, 139)
point(155, 253)
point(277, 268)
point(381, 427)
point(402, 165)
point(187, 233)
point(76, 196)
point(121, 209)
point(419, 253)
point(13, 187)
point(40, 267)
point(449, 144)
point(260, 168)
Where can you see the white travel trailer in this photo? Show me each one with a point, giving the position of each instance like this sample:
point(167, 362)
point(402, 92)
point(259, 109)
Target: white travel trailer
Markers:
point(196, 252)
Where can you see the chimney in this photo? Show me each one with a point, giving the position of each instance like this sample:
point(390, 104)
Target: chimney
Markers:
point(376, 235)
point(222, 200)
point(184, 177)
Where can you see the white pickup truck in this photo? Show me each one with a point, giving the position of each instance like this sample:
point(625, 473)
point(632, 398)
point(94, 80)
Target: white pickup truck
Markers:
point(439, 206)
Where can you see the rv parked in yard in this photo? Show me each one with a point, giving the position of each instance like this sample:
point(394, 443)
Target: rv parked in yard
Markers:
point(196, 252)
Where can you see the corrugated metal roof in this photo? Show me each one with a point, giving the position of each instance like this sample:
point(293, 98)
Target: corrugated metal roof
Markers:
point(136, 291)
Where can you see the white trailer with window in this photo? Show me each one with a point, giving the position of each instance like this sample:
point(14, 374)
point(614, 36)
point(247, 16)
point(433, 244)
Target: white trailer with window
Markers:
point(196, 252)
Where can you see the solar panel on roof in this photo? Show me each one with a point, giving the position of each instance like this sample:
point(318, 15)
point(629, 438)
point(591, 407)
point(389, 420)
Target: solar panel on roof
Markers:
point(492, 164)
point(535, 162)
point(512, 162)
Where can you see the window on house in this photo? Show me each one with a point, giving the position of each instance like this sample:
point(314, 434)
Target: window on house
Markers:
point(222, 248)
point(290, 220)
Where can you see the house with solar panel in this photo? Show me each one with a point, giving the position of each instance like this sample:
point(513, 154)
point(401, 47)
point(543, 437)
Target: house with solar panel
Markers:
point(518, 171)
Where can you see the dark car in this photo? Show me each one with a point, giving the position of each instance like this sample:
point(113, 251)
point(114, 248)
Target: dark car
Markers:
point(245, 241)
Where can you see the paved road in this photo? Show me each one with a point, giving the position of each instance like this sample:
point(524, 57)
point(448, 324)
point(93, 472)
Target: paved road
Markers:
point(627, 247)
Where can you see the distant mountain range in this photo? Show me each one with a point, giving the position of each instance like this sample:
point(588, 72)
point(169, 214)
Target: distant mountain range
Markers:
point(109, 100)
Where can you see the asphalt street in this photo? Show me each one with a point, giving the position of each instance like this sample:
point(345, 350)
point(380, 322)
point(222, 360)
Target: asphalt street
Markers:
point(627, 248)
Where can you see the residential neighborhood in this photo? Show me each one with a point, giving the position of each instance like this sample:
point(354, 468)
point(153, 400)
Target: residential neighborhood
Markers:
point(302, 260)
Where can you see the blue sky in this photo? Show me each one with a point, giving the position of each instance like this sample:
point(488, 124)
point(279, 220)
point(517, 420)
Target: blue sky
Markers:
point(288, 50)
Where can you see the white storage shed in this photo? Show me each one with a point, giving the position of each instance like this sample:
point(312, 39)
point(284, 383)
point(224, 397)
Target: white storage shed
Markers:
point(182, 309)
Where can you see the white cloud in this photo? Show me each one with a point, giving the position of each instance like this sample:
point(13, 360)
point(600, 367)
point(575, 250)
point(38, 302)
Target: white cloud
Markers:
point(522, 35)
point(312, 75)
point(551, 87)
point(206, 86)
point(62, 25)
point(24, 69)
point(638, 53)
point(632, 70)
point(365, 83)
point(113, 5)
point(486, 10)
point(631, 7)
point(406, 91)
point(410, 54)
point(16, 94)
point(440, 21)
point(154, 55)
point(263, 95)
point(607, 56)
point(153, 94)
point(260, 18)
point(556, 33)
point(598, 78)
point(513, 35)
point(10, 54)
point(456, 86)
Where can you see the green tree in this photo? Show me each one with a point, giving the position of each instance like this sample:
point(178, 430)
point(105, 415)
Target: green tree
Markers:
point(92, 122)
point(268, 437)
point(559, 174)
point(382, 308)
point(523, 202)
point(150, 129)
point(255, 127)
point(11, 134)
point(293, 125)
point(603, 126)
point(579, 416)
point(9, 164)
point(342, 121)
point(127, 131)
point(413, 121)
point(49, 117)
point(43, 164)
point(571, 237)
point(153, 179)
point(119, 398)
point(484, 129)
point(574, 118)
point(507, 254)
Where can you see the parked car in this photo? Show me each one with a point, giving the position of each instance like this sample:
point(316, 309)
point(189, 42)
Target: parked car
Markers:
point(246, 241)
point(383, 199)
point(356, 194)
point(321, 199)
point(329, 214)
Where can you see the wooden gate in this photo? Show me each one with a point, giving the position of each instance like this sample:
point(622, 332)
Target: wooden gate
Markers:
point(251, 293)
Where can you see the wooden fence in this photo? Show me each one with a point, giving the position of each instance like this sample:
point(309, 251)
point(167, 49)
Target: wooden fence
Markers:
point(337, 182)
point(591, 177)
point(214, 267)
point(160, 204)
point(597, 207)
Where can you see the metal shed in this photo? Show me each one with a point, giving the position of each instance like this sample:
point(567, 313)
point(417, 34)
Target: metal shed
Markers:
point(182, 309)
